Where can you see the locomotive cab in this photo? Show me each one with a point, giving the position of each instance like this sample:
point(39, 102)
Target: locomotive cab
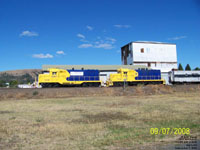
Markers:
point(52, 77)
point(134, 77)
point(60, 77)
point(122, 75)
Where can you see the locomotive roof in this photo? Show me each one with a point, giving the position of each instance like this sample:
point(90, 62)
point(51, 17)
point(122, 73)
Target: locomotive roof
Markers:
point(99, 67)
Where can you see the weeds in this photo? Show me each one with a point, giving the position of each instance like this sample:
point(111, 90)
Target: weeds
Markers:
point(35, 93)
point(95, 123)
point(39, 120)
point(103, 117)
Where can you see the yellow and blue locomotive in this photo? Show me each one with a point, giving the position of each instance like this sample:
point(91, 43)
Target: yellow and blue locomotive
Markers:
point(134, 77)
point(60, 77)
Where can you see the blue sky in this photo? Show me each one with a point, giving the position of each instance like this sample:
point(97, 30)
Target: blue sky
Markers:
point(37, 32)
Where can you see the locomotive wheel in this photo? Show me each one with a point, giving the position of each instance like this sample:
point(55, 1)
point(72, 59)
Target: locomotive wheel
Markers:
point(91, 84)
point(84, 85)
point(96, 84)
point(118, 84)
point(44, 85)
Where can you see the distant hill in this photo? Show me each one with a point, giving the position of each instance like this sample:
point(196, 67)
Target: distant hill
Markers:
point(32, 72)
point(15, 77)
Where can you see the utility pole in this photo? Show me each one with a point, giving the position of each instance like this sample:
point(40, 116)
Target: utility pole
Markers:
point(125, 78)
point(124, 84)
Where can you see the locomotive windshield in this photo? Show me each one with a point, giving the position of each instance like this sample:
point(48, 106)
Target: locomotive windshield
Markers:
point(45, 72)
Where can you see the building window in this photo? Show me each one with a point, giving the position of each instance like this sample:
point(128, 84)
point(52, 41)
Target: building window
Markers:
point(142, 50)
point(149, 64)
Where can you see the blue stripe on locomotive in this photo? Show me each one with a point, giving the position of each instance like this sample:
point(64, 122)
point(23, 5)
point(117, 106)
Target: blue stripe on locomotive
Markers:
point(148, 75)
point(88, 75)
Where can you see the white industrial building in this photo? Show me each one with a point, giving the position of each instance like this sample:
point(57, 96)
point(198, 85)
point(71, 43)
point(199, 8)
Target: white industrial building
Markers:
point(155, 55)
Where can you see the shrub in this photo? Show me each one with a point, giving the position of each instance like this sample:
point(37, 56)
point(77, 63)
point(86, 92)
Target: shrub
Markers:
point(13, 83)
point(2, 83)
point(35, 93)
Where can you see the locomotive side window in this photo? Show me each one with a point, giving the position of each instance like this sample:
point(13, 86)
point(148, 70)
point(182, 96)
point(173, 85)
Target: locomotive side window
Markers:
point(54, 73)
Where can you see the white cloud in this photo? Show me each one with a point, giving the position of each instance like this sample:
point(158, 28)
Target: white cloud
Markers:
point(177, 38)
point(122, 26)
point(105, 43)
point(98, 45)
point(60, 52)
point(29, 33)
point(85, 46)
point(42, 56)
point(84, 40)
point(89, 28)
point(112, 40)
point(81, 36)
point(104, 46)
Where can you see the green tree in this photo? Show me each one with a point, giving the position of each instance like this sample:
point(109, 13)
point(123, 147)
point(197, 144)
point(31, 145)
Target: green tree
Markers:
point(188, 68)
point(13, 83)
point(197, 68)
point(2, 83)
point(180, 67)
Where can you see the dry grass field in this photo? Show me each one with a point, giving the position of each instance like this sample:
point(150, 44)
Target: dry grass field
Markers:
point(96, 122)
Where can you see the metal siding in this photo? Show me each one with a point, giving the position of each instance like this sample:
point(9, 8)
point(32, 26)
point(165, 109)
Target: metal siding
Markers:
point(88, 75)
point(148, 75)
point(154, 52)
point(161, 56)
point(185, 76)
